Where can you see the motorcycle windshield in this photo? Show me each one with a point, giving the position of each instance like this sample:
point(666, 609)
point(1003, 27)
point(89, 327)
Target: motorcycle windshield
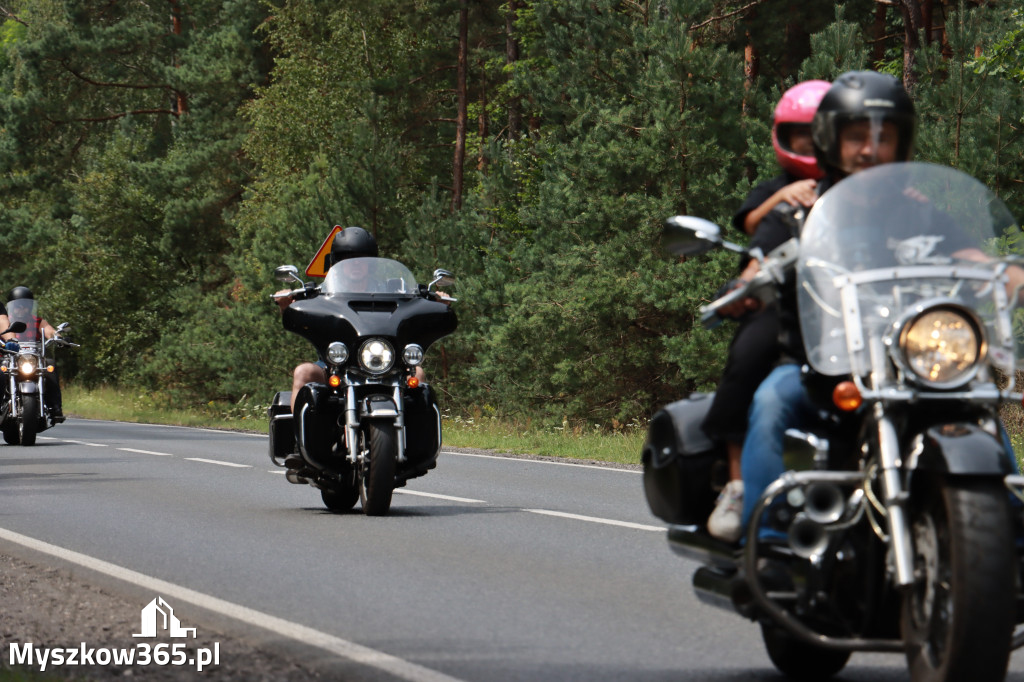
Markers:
point(369, 276)
point(24, 310)
point(887, 238)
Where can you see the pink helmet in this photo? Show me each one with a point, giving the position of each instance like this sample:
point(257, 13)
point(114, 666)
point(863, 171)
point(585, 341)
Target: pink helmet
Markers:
point(797, 105)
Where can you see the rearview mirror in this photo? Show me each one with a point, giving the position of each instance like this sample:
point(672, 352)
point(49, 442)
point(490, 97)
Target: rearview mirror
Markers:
point(16, 327)
point(442, 278)
point(287, 273)
point(685, 235)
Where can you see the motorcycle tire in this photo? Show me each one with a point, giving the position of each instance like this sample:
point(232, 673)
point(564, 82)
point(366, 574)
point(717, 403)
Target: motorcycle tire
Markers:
point(958, 617)
point(28, 422)
point(377, 482)
point(798, 659)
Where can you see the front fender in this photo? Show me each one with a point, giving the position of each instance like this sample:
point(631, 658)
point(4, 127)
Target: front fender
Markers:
point(28, 387)
point(960, 449)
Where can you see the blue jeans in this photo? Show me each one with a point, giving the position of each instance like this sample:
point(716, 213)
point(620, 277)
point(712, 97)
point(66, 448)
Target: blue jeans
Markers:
point(781, 402)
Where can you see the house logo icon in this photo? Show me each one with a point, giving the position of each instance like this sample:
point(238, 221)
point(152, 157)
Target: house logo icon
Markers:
point(158, 616)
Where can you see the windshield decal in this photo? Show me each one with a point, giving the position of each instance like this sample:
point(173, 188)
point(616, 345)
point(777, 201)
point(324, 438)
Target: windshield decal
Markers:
point(917, 250)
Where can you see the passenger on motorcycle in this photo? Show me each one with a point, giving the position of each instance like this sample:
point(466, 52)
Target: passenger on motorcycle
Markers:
point(750, 359)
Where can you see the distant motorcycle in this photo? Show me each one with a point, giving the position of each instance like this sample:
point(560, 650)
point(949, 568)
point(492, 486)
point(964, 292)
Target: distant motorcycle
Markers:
point(24, 410)
point(373, 425)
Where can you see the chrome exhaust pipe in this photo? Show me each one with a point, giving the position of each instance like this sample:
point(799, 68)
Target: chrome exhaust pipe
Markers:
point(824, 503)
point(807, 537)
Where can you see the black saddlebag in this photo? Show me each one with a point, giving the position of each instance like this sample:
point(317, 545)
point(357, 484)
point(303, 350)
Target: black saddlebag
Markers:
point(682, 466)
point(422, 429)
point(282, 436)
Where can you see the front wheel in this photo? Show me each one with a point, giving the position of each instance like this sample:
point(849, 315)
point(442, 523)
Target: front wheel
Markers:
point(798, 659)
point(341, 495)
point(377, 482)
point(958, 615)
point(28, 420)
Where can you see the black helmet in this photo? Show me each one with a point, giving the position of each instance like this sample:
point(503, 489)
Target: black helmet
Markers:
point(19, 292)
point(353, 242)
point(858, 96)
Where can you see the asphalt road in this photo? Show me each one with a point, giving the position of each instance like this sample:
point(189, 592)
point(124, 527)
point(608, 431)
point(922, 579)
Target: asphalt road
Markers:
point(487, 569)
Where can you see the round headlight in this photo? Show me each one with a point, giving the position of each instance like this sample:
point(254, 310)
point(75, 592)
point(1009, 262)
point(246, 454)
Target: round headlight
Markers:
point(413, 354)
point(376, 356)
point(337, 353)
point(942, 347)
point(27, 365)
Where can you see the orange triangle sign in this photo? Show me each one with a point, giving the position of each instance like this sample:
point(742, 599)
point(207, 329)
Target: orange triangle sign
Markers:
point(318, 266)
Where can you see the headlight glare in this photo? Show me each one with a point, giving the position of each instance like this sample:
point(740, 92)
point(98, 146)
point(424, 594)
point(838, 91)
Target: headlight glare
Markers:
point(942, 347)
point(413, 354)
point(27, 365)
point(376, 356)
point(337, 353)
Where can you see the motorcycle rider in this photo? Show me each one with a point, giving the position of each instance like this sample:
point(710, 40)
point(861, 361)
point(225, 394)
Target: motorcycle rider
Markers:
point(352, 242)
point(750, 359)
point(865, 119)
point(36, 326)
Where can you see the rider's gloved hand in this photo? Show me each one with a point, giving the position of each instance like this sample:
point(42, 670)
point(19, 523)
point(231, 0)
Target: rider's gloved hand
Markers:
point(12, 345)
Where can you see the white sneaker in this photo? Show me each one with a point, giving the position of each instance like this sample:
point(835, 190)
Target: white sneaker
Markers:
point(724, 522)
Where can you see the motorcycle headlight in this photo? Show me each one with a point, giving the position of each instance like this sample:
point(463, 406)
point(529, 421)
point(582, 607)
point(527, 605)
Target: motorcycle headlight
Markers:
point(376, 356)
point(942, 346)
point(27, 364)
point(337, 353)
point(413, 354)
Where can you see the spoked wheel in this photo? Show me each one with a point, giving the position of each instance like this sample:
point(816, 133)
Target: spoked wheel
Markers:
point(377, 482)
point(341, 495)
point(28, 423)
point(800, 660)
point(958, 616)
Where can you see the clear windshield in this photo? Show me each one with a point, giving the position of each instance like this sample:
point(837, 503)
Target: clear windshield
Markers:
point(24, 310)
point(369, 276)
point(889, 237)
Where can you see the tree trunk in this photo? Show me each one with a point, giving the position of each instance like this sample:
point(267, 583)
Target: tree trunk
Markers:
point(515, 114)
point(180, 105)
point(911, 11)
point(462, 98)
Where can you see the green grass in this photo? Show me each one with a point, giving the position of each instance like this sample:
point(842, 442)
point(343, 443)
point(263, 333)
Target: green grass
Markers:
point(487, 433)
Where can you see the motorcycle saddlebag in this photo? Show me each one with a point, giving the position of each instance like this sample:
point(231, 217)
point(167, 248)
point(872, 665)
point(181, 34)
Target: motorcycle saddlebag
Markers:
point(282, 435)
point(422, 427)
point(682, 465)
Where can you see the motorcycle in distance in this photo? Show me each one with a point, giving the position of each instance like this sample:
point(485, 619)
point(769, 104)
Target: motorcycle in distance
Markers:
point(897, 526)
point(374, 425)
point(24, 408)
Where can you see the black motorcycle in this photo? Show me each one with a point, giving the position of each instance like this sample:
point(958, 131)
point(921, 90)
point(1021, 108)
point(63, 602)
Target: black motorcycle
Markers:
point(898, 525)
point(25, 405)
point(374, 425)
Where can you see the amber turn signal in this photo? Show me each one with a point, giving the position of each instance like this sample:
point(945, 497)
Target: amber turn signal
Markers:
point(846, 396)
point(334, 381)
point(412, 382)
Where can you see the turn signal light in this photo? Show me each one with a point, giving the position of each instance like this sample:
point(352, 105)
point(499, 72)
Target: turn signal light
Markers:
point(334, 381)
point(846, 396)
point(412, 382)
point(49, 368)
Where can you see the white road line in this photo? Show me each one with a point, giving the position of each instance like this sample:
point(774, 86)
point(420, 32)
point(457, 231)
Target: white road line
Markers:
point(277, 472)
point(82, 442)
point(147, 452)
point(217, 461)
point(439, 497)
point(541, 461)
point(354, 652)
point(595, 519)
